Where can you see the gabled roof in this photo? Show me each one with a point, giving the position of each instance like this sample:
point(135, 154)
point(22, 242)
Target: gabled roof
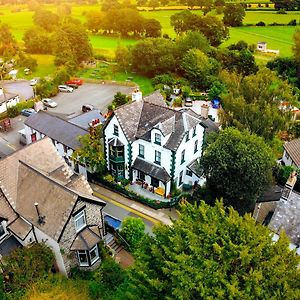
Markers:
point(145, 116)
point(293, 149)
point(56, 128)
point(86, 239)
point(155, 98)
point(83, 120)
point(37, 174)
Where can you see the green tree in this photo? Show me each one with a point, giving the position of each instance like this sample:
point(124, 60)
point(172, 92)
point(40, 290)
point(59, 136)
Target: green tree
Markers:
point(133, 230)
point(152, 28)
point(199, 69)
point(234, 15)
point(216, 90)
point(46, 19)
point(94, 21)
point(213, 253)
point(91, 153)
point(8, 45)
point(296, 46)
point(123, 57)
point(238, 167)
point(253, 101)
point(119, 99)
point(37, 41)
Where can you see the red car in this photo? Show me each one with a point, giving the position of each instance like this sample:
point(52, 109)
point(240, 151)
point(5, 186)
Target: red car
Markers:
point(75, 81)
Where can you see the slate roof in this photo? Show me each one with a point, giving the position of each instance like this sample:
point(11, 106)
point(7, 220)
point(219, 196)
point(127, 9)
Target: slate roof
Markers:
point(37, 173)
point(151, 169)
point(20, 228)
point(7, 97)
point(145, 116)
point(86, 239)
point(293, 149)
point(156, 98)
point(84, 119)
point(193, 166)
point(56, 128)
point(9, 245)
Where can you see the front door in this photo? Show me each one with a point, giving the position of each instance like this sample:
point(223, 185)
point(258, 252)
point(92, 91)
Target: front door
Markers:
point(154, 182)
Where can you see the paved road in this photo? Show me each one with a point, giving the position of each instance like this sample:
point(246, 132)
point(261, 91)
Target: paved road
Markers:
point(99, 95)
point(22, 88)
point(5, 148)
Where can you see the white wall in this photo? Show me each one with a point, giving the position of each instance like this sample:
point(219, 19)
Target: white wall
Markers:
point(109, 133)
point(189, 154)
point(288, 160)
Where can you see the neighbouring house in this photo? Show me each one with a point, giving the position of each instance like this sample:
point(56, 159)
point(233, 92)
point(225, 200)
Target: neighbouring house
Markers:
point(63, 131)
point(7, 100)
point(279, 209)
point(291, 154)
point(43, 201)
point(262, 47)
point(148, 142)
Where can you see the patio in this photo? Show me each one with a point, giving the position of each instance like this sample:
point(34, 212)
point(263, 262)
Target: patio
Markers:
point(146, 193)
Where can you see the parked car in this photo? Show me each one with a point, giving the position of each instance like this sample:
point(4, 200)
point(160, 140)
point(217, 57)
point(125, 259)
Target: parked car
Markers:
point(73, 85)
point(75, 81)
point(49, 102)
point(27, 112)
point(33, 82)
point(87, 107)
point(65, 88)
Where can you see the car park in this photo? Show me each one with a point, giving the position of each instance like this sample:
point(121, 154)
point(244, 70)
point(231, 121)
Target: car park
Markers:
point(87, 107)
point(27, 112)
point(65, 88)
point(49, 102)
point(75, 81)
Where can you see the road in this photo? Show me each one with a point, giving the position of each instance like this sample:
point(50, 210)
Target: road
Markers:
point(5, 148)
point(99, 95)
point(19, 87)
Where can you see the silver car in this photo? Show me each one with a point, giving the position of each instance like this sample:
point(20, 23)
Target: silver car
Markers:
point(49, 102)
point(65, 88)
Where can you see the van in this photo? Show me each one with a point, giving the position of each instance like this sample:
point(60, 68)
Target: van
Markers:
point(22, 137)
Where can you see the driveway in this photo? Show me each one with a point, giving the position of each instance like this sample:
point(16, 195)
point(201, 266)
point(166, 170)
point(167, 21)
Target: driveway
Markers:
point(19, 87)
point(99, 95)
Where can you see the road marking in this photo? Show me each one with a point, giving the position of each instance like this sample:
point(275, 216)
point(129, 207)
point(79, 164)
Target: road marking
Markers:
point(152, 220)
point(11, 146)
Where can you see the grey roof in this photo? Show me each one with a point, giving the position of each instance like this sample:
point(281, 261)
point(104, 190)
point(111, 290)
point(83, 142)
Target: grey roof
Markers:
point(7, 97)
point(286, 217)
point(56, 128)
point(293, 149)
point(210, 125)
point(193, 166)
point(151, 169)
point(84, 119)
point(271, 194)
point(9, 245)
point(145, 116)
point(156, 98)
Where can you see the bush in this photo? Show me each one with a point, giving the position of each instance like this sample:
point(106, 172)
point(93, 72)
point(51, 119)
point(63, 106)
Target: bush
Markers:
point(28, 62)
point(261, 23)
point(12, 111)
point(292, 22)
point(281, 11)
point(165, 79)
point(132, 230)
point(27, 266)
point(177, 102)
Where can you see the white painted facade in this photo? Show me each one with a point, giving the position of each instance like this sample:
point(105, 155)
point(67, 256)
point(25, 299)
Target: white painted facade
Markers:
point(286, 158)
point(150, 148)
point(9, 103)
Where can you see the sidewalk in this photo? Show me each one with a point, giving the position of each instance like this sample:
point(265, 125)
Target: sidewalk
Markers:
point(155, 216)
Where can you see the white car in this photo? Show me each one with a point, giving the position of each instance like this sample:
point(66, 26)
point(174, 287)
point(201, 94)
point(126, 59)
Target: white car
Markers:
point(49, 102)
point(33, 82)
point(65, 88)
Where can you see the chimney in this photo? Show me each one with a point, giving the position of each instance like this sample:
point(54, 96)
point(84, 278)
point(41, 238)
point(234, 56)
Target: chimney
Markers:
point(204, 111)
point(137, 95)
point(41, 219)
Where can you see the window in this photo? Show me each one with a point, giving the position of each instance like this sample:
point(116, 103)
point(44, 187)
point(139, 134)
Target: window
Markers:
point(157, 157)
point(180, 177)
point(83, 258)
point(154, 182)
point(187, 137)
point(33, 137)
point(141, 151)
point(116, 130)
point(141, 176)
point(80, 221)
point(189, 173)
point(94, 254)
point(157, 139)
point(65, 148)
point(196, 146)
point(182, 156)
point(2, 231)
point(194, 131)
point(287, 155)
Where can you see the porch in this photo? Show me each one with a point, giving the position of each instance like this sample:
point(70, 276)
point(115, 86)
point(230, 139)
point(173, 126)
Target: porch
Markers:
point(148, 192)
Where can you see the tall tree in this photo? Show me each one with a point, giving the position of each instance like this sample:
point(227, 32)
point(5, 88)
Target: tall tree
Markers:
point(213, 253)
point(238, 167)
point(46, 19)
point(234, 15)
point(253, 102)
point(8, 45)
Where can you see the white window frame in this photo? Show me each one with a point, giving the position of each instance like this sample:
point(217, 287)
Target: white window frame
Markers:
point(157, 138)
point(141, 151)
point(4, 230)
point(157, 155)
point(95, 248)
point(78, 216)
point(83, 252)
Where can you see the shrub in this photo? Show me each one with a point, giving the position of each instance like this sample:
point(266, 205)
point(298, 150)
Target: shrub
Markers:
point(281, 11)
point(12, 111)
point(27, 266)
point(132, 230)
point(261, 23)
point(292, 22)
point(109, 178)
point(177, 102)
point(163, 79)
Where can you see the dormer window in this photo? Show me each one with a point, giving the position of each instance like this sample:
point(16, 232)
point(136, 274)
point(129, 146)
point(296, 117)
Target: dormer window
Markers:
point(116, 130)
point(80, 220)
point(157, 139)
